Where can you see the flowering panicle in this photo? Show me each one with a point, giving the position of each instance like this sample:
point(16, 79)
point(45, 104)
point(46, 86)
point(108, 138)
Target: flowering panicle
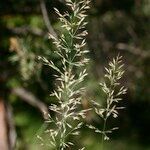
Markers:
point(113, 91)
point(70, 48)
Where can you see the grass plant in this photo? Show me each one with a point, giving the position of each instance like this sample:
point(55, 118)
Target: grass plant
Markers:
point(113, 90)
point(70, 45)
point(70, 49)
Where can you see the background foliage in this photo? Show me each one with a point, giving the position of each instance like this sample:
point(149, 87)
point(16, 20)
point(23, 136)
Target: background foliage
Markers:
point(114, 27)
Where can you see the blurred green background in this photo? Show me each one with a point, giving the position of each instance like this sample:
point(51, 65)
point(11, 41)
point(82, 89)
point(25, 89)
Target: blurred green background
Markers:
point(120, 26)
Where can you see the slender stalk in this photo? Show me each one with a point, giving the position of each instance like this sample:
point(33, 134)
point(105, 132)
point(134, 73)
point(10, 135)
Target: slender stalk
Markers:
point(102, 140)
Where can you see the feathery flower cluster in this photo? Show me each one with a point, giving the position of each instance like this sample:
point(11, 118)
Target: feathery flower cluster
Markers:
point(113, 91)
point(70, 48)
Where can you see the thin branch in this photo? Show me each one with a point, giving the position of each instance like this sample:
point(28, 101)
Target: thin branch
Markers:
point(26, 29)
point(132, 49)
point(11, 125)
point(31, 99)
point(46, 19)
